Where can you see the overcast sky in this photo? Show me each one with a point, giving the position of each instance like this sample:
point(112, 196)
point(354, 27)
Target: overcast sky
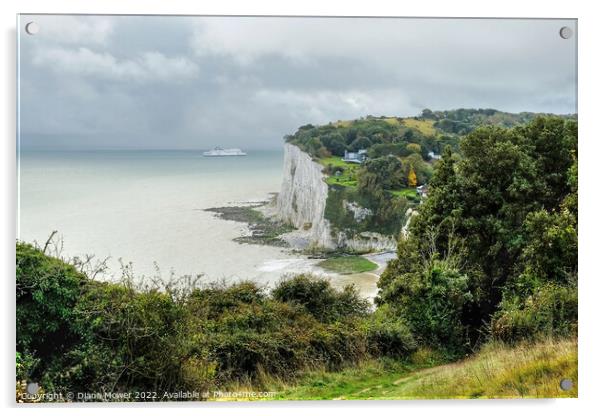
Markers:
point(193, 82)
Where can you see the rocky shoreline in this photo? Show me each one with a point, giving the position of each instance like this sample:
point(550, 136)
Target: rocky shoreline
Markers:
point(263, 230)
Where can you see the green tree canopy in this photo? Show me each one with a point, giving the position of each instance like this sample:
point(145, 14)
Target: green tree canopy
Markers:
point(508, 203)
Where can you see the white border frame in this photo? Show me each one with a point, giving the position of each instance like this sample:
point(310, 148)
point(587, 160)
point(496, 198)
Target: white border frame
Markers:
point(590, 144)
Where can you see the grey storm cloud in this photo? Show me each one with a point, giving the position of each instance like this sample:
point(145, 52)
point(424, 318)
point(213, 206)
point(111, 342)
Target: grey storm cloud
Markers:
point(196, 82)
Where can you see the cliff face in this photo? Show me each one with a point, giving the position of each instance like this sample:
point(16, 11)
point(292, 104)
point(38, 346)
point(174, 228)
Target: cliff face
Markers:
point(302, 198)
point(302, 201)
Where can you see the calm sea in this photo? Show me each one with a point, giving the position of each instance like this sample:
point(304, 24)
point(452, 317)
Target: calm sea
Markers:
point(146, 207)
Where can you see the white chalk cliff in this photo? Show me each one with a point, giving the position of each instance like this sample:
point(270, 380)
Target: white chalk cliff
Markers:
point(302, 201)
point(302, 198)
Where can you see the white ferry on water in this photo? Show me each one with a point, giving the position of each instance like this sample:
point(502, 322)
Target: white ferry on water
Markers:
point(218, 151)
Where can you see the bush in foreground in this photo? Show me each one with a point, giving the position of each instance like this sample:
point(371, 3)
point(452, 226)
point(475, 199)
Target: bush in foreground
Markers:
point(75, 334)
point(551, 310)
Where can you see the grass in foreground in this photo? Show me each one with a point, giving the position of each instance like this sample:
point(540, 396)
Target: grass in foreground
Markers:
point(497, 371)
point(348, 264)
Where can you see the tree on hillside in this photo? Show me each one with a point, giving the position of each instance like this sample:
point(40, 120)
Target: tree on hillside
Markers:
point(414, 148)
point(359, 144)
point(315, 148)
point(423, 170)
point(335, 143)
point(386, 171)
point(412, 181)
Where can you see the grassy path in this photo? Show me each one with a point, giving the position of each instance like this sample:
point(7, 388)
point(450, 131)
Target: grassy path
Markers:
point(497, 371)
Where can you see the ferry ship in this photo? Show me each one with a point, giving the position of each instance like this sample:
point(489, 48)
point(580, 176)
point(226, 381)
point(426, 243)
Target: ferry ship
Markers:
point(218, 151)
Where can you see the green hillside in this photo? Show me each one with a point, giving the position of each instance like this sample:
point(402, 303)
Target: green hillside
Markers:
point(401, 154)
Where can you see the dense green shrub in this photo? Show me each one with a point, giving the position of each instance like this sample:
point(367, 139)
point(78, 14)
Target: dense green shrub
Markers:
point(305, 323)
point(433, 301)
point(144, 331)
point(338, 343)
point(25, 364)
point(389, 334)
point(252, 334)
point(215, 299)
point(47, 291)
point(320, 299)
point(271, 338)
point(551, 310)
point(550, 245)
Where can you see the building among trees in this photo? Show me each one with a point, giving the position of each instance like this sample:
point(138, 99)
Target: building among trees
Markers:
point(434, 156)
point(355, 157)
